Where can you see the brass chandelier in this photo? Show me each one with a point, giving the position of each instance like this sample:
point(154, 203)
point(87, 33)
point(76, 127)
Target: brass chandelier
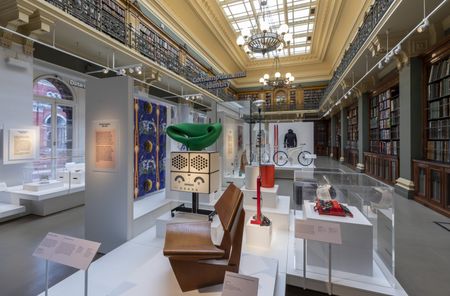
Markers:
point(277, 80)
point(264, 39)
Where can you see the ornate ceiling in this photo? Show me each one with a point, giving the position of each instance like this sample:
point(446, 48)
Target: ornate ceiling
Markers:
point(207, 26)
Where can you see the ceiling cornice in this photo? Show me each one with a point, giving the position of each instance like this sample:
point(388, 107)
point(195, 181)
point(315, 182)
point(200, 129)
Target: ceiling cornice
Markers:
point(161, 11)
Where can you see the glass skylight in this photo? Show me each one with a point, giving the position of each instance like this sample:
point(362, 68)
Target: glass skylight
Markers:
point(299, 15)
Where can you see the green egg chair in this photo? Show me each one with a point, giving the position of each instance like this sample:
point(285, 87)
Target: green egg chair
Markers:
point(195, 137)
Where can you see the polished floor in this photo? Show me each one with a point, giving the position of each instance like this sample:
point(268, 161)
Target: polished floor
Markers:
point(422, 248)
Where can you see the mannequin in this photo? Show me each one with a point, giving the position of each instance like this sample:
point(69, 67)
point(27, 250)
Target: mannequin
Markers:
point(290, 139)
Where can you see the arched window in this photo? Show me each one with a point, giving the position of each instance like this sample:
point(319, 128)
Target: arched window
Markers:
point(53, 112)
point(52, 88)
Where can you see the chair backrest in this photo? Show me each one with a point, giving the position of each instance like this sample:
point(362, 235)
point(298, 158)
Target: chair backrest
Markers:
point(229, 208)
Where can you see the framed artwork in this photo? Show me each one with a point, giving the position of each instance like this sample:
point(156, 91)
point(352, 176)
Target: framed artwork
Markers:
point(20, 145)
point(150, 121)
point(106, 145)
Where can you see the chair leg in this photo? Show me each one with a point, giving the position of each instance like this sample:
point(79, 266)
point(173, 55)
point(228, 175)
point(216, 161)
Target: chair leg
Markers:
point(192, 275)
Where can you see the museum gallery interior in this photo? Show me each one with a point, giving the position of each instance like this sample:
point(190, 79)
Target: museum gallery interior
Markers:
point(224, 147)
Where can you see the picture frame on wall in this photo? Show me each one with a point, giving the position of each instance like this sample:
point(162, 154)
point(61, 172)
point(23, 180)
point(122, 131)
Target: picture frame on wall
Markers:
point(106, 138)
point(20, 145)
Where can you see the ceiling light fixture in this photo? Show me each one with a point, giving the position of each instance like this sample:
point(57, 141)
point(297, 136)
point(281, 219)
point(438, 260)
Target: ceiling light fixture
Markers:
point(264, 40)
point(278, 81)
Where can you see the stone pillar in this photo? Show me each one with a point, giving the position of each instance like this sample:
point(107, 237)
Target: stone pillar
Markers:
point(332, 133)
point(411, 114)
point(344, 123)
point(363, 129)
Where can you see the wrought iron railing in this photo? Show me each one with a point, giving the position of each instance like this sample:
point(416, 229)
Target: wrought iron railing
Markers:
point(109, 17)
point(371, 20)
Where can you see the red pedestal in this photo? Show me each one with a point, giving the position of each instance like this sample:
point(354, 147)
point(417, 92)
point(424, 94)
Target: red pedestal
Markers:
point(267, 172)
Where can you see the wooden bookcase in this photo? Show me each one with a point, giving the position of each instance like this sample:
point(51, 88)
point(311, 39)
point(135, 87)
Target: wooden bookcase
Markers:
point(337, 139)
point(432, 175)
point(351, 149)
point(321, 137)
point(381, 161)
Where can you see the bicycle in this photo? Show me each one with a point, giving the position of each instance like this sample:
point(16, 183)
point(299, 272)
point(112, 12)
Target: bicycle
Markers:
point(305, 158)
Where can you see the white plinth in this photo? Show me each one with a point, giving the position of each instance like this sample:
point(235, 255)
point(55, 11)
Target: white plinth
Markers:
point(257, 235)
point(251, 175)
point(162, 221)
point(278, 215)
point(269, 196)
point(355, 255)
point(39, 186)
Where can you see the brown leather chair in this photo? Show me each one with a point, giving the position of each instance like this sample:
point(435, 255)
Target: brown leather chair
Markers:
point(195, 260)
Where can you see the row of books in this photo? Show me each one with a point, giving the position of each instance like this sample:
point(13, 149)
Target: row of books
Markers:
point(385, 134)
point(439, 129)
point(385, 123)
point(385, 114)
point(439, 89)
point(395, 133)
point(389, 148)
point(438, 151)
point(439, 70)
point(439, 109)
point(374, 123)
point(113, 8)
point(395, 104)
point(395, 119)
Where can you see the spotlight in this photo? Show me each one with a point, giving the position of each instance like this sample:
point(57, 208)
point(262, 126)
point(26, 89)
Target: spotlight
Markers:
point(423, 26)
point(387, 59)
point(122, 72)
point(131, 70)
point(105, 71)
point(346, 96)
point(380, 65)
point(397, 49)
point(139, 70)
point(349, 92)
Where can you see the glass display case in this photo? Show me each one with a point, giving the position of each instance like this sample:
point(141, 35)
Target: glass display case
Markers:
point(366, 253)
point(52, 173)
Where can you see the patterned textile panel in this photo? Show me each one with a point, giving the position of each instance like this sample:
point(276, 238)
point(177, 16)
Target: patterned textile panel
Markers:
point(150, 143)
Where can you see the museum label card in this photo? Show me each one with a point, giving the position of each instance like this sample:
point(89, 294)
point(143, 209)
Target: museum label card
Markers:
point(318, 231)
point(239, 285)
point(67, 250)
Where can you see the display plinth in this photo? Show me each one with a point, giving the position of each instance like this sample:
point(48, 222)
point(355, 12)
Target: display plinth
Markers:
point(40, 186)
point(278, 215)
point(257, 235)
point(269, 196)
point(355, 255)
point(251, 174)
point(162, 221)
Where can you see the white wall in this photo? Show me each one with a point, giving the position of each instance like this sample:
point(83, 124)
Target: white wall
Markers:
point(16, 105)
point(303, 130)
point(109, 195)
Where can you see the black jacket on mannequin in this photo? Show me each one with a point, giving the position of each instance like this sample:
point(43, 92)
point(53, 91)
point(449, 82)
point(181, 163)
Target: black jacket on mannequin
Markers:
point(290, 139)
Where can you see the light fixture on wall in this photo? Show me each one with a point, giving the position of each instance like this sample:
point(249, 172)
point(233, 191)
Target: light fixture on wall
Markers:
point(277, 80)
point(425, 24)
point(264, 39)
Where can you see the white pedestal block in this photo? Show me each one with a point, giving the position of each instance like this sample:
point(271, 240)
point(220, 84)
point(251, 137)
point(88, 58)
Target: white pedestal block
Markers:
point(162, 221)
point(77, 177)
point(251, 175)
point(257, 235)
point(278, 215)
point(38, 186)
point(355, 255)
point(269, 196)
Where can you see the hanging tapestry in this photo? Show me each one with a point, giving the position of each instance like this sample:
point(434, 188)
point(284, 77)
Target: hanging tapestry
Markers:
point(150, 121)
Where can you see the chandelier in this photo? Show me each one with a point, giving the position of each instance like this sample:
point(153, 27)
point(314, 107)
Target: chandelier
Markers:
point(277, 80)
point(265, 39)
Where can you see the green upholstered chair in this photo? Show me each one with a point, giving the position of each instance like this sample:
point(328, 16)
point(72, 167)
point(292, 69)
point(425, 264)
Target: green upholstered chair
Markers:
point(195, 136)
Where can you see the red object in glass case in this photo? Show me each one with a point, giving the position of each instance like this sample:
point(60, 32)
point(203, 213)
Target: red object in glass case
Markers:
point(267, 172)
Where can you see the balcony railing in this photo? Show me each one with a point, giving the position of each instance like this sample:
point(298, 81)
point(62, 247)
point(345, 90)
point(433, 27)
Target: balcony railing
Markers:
point(371, 20)
point(109, 17)
point(283, 107)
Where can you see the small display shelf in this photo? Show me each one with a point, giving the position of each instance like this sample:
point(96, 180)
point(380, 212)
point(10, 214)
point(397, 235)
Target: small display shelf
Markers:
point(351, 150)
point(432, 175)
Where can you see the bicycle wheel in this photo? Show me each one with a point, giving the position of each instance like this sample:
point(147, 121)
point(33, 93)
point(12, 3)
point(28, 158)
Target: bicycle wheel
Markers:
point(280, 158)
point(304, 158)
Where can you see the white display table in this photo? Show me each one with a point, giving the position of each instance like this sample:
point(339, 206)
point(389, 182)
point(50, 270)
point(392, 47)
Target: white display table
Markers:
point(269, 196)
point(239, 181)
point(355, 255)
point(278, 215)
point(257, 235)
point(49, 201)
